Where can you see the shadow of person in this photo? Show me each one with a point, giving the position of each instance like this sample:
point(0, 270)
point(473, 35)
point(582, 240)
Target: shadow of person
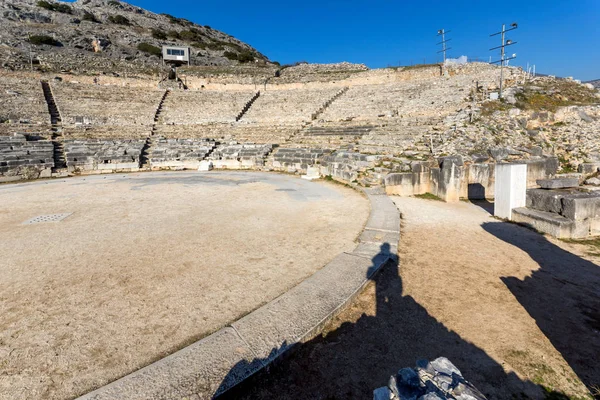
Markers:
point(563, 296)
point(350, 361)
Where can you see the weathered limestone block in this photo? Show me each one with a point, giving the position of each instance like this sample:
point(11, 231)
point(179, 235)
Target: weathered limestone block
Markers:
point(312, 173)
point(205, 166)
point(581, 206)
point(447, 180)
point(545, 200)
point(553, 224)
point(558, 183)
point(588, 168)
point(408, 183)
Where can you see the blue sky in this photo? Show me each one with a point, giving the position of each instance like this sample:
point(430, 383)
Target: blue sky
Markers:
point(561, 37)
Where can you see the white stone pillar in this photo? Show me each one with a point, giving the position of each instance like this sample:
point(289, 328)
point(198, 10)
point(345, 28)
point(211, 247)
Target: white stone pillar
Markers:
point(510, 189)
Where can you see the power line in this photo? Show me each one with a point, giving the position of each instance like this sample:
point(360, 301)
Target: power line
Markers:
point(505, 43)
point(442, 32)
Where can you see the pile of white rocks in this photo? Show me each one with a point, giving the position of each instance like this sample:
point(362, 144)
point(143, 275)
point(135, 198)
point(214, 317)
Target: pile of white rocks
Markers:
point(438, 379)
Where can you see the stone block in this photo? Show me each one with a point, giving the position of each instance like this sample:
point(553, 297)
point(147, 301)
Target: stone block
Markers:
point(449, 182)
point(312, 173)
point(588, 168)
point(580, 207)
point(205, 166)
point(449, 161)
point(227, 164)
point(545, 200)
point(407, 183)
point(510, 189)
point(550, 223)
point(558, 183)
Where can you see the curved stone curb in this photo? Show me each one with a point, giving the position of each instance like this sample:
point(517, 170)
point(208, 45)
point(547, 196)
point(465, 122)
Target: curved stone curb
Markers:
point(222, 360)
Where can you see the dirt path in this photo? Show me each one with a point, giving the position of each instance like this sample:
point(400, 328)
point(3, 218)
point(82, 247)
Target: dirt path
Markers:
point(516, 311)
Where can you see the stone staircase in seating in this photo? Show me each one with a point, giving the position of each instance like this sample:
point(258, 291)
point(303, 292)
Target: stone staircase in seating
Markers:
point(147, 149)
point(60, 163)
point(247, 106)
point(322, 109)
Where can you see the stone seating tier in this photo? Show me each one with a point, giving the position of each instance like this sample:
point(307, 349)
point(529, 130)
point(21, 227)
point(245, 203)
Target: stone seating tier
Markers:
point(106, 132)
point(166, 150)
point(297, 159)
point(246, 151)
point(346, 166)
point(22, 102)
point(16, 152)
point(203, 106)
point(93, 105)
point(408, 99)
point(94, 154)
point(294, 106)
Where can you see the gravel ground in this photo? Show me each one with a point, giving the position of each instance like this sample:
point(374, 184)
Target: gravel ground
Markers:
point(516, 311)
point(148, 263)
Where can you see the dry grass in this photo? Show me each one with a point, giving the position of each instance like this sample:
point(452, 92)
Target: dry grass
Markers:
point(555, 94)
point(491, 106)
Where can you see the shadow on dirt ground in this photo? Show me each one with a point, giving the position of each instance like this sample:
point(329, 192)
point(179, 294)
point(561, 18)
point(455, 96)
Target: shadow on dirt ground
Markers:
point(562, 296)
point(351, 361)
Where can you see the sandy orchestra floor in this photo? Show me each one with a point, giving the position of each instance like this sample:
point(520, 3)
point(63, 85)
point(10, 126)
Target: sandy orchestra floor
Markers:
point(148, 263)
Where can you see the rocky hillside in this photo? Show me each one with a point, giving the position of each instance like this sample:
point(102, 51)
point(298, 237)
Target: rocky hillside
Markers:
point(596, 83)
point(107, 36)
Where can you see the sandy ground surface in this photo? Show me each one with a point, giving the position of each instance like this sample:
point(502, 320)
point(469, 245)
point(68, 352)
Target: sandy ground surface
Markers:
point(148, 263)
point(516, 311)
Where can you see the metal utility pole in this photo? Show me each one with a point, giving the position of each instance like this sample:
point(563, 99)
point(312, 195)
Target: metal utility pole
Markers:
point(442, 33)
point(504, 44)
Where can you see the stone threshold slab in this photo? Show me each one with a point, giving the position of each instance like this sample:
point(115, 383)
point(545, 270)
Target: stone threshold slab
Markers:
point(224, 359)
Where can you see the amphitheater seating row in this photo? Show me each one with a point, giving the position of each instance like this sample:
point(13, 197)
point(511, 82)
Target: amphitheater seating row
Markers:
point(197, 107)
point(16, 152)
point(293, 106)
point(23, 102)
point(297, 158)
point(97, 154)
point(165, 151)
point(97, 105)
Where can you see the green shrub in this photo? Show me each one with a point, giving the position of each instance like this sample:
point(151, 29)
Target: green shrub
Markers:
point(88, 16)
point(173, 34)
point(158, 34)
point(114, 3)
point(46, 5)
point(246, 56)
point(231, 55)
point(119, 20)
point(199, 45)
point(43, 39)
point(234, 46)
point(215, 46)
point(62, 8)
point(187, 35)
point(148, 48)
point(178, 21)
